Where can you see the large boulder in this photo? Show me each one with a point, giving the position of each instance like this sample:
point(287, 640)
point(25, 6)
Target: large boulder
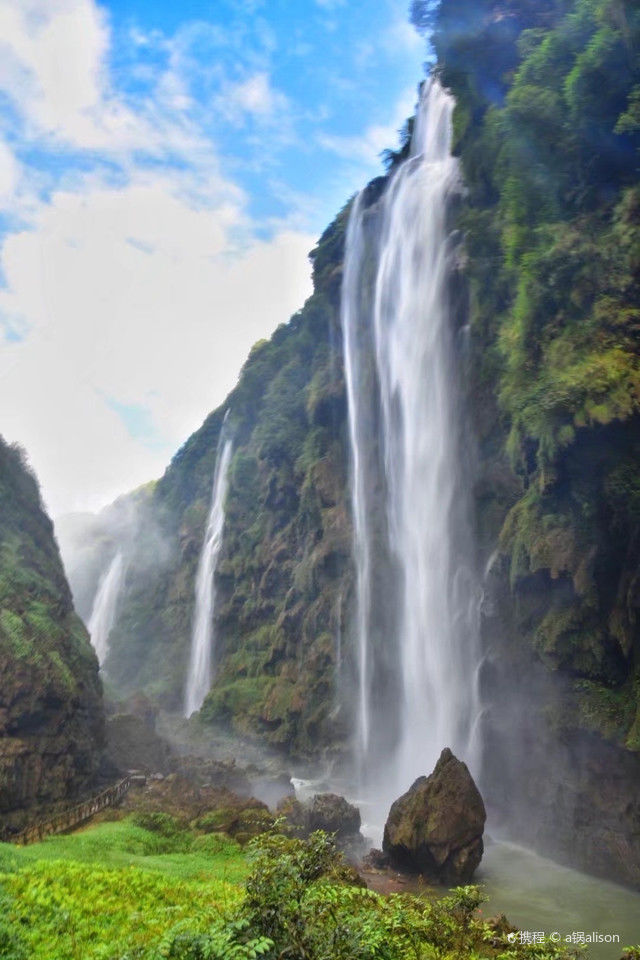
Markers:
point(436, 827)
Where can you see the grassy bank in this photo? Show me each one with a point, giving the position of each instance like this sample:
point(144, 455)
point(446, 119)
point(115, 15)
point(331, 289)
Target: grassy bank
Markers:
point(114, 890)
point(149, 888)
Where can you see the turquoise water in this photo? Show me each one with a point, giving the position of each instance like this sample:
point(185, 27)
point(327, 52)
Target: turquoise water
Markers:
point(539, 895)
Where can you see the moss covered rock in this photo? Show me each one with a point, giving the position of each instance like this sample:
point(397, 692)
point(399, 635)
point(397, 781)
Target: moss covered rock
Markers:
point(436, 827)
point(284, 574)
point(51, 712)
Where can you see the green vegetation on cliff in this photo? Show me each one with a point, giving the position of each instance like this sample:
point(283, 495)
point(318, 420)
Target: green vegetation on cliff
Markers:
point(547, 126)
point(285, 557)
point(548, 130)
point(50, 696)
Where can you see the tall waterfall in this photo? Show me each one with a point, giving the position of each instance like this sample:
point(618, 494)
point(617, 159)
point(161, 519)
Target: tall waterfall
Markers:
point(199, 673)
point(103, 612)
point(415, 598)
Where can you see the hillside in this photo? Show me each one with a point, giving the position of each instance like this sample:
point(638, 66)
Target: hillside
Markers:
point(547, 129)
point(283, 575)
point(51, 715)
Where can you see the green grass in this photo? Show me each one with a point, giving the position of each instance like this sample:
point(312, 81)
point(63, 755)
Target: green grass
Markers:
point(114, 890)
point(123, 844)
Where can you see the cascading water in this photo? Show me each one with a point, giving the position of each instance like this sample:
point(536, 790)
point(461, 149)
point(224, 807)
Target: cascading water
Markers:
point(103, 612)
point(408, 491)
point(199, 672)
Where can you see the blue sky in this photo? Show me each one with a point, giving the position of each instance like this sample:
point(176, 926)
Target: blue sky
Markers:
point(299, 98)
point(164, 169)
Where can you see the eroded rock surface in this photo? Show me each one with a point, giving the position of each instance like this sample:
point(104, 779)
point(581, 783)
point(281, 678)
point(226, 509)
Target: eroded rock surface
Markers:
point(51, 711)
point(325, 811)
point(436, 827)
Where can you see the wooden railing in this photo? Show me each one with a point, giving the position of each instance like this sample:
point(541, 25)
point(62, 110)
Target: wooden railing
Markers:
point(74, 816)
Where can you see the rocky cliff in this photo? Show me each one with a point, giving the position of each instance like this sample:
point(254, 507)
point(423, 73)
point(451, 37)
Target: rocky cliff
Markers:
point(547, 127)
point(283, 577)
point(51, 717)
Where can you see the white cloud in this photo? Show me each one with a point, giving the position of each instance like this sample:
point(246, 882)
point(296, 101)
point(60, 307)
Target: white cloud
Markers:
point(255, 96)
point(53, 68)
point(402, 36)
point(367, 147)
point(133, 295)
point(9, 174)
point(51, 60)
point(143, 288)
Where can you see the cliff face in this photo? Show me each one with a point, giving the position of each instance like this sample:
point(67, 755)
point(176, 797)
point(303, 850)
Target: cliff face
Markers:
point(51, 717)
point(282, 581)
point(548, 129)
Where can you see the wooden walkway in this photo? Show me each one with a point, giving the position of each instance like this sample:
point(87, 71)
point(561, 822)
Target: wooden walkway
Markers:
point(74, 816)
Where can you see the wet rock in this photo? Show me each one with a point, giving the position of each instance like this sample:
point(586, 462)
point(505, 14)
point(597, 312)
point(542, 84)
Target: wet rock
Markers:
point(333, 813)
point(295, 814)
point(326, 811)
point(436, 827)
point(133, 744)
point(376, 860)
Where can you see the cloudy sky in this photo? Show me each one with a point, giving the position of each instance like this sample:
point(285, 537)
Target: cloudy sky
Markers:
point(165, 167)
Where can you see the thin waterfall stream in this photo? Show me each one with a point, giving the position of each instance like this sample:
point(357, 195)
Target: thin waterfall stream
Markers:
point(105, 605)
point(416, 599)
point(199, 671)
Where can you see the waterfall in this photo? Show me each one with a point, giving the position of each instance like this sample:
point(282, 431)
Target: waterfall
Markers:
point(410, 505)
point(103, 612)
point(199, 672)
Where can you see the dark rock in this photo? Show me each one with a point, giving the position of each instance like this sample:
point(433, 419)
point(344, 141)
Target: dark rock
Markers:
point(333, 813)
point(296, 815)
point(436, 827)
point(133, 744)
point(51, 708)
point(221, 774)
point(376, 860)
point(326, 811)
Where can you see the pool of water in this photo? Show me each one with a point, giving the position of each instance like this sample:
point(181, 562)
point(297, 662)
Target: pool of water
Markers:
point(539, 895)
point(536, 894)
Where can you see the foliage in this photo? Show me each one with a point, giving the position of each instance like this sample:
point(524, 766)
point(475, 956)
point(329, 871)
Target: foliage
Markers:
point(546, 128)
point(37, 622)
point(187, 855)
point(158, 822)
point(300, 897)
point(148, 886)
point(54, 904)
point(300, 902)
point(223, 943)
point(51, 691)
